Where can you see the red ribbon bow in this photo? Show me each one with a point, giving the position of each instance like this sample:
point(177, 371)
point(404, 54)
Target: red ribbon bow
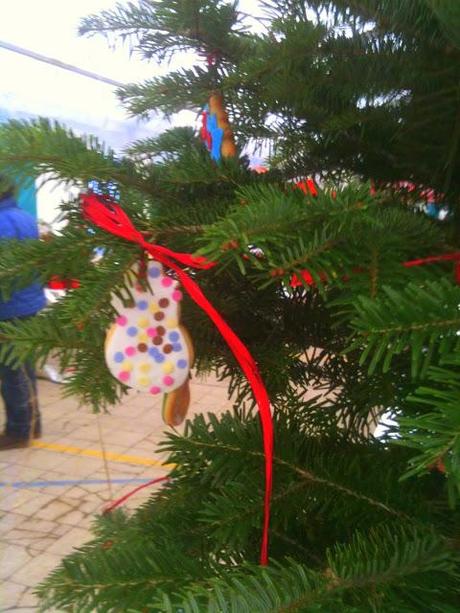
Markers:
point(111, 217)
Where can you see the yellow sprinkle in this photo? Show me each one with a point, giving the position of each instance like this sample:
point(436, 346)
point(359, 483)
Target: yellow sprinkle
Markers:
point(143, 380)
point(143, 338)
point(154, 308)
point(145, 367)
point(167, 368)
point(172, 323)
point(127, 366)
point(143, 322)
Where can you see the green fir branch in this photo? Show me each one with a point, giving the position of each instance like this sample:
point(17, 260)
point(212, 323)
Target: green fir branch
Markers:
point(422, 320)
point(435, 434)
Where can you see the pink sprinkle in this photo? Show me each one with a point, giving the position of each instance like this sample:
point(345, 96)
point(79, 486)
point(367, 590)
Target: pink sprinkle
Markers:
point(177, 295)
point(130, 350)
point(152, 332)
point(155, 390)
point(168, 380)
point(123, 375)
point(121, 320)
point(166, 281)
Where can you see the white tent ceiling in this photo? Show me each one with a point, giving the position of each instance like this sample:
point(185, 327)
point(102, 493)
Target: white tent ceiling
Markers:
point(32, 88)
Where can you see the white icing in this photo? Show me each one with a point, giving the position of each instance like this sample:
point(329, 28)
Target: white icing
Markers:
point(135, 328)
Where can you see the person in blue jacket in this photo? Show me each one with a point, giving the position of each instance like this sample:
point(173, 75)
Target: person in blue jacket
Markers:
point(18, 385)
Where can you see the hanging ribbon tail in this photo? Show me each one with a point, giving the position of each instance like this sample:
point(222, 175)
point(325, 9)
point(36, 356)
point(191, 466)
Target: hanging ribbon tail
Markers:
point(249, 368)
point(432, 259)
point(116, 503)
point(109, 216)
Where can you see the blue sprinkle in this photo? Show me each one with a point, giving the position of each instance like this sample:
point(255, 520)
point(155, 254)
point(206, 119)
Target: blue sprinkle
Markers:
point(154, 273)
point(153, 352)
point(174, 336)
point(142, 305)
point(131, 331)
point(182, 363)
point(119, 357)
point(177, 347)
point(159, 357)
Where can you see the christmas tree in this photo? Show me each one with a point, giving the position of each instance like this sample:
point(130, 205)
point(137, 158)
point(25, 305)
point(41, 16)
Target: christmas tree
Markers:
point(348, 290)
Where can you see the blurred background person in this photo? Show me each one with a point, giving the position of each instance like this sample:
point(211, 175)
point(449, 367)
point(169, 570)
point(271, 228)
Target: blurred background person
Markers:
point(18, 382)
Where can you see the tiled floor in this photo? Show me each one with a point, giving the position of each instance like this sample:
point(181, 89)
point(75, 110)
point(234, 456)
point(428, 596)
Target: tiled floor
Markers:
point(47, 498)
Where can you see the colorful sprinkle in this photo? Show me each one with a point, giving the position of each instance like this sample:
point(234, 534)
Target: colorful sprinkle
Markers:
point(167, 368)
point(154, 308)
point(172, 323)
point(166, 281)
point(163, 302)
point(124, 375)
point(167, 348)
point(177, 347)
point(142, 305)
point(159, 358)
point(182, 363)
point(177, 295)
point(153, 351)
point(154, 272)
point(143, 381)
point(161, 331)
point(157, 340)
point(121, 320)
point(143, 322)
point(159, 316)
point(118, 357)
point(131, 331)
point(142, 347)
point(155, 389)
point(127, 365)
point(168, 380)
point(142, 338)
point(130, 351)
point(145, 367)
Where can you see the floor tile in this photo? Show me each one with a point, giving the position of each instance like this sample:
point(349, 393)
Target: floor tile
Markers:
point(69, 541)
point(10, 595)
point(37, 569)
point(39, 525)
point(12, 558)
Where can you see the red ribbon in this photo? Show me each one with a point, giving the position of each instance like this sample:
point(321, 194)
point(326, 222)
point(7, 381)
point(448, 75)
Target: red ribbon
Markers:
point(116, 503)
point(432, 259)
point(307, 186)
point(57, 283)
point(111, 217)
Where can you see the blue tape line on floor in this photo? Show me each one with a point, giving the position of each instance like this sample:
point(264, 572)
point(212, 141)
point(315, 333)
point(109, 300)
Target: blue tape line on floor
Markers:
point(60, 483)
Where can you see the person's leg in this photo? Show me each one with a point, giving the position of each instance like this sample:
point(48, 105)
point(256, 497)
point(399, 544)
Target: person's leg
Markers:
point(35, 417)
point(19, 395)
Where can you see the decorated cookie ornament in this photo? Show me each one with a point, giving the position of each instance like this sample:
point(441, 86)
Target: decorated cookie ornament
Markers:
point(147, 349)
point(155, 315)
point(216, 131)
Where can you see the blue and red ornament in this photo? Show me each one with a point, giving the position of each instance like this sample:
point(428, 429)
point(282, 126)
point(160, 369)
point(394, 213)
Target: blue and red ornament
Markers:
point(216, 132)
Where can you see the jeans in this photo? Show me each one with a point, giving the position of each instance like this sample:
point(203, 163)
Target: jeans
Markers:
point(19, 391)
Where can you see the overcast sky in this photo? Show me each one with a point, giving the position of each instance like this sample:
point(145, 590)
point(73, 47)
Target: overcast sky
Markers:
point(50, 27)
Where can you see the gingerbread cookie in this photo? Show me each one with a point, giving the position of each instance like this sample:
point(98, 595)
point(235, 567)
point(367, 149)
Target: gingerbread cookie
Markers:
point(146, 348)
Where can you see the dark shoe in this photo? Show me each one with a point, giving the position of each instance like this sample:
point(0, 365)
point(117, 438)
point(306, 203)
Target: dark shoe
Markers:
point(14, 442)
